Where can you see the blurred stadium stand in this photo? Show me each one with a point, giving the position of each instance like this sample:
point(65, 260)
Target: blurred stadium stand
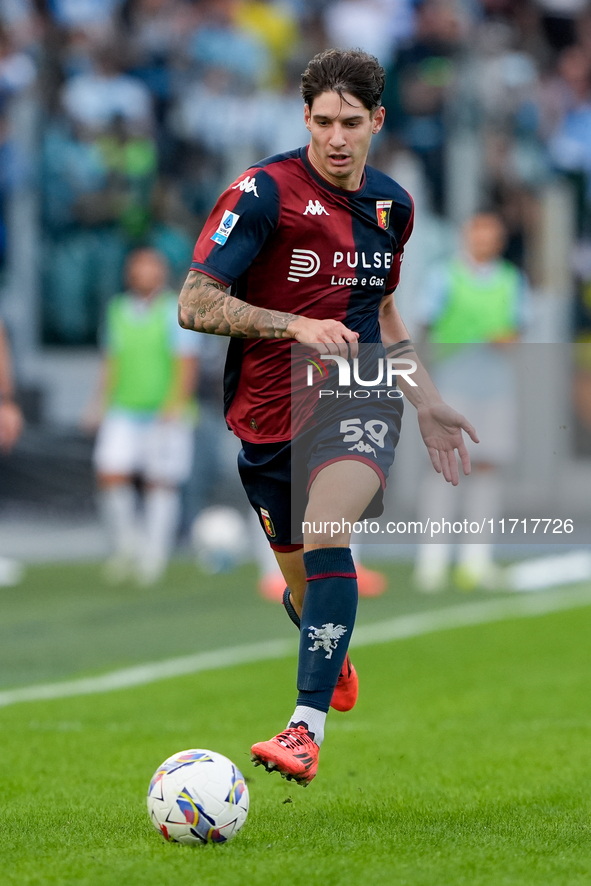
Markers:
point(121, 121)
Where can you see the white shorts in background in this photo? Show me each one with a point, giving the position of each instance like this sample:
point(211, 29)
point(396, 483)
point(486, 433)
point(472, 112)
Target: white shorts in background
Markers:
point(160, 451)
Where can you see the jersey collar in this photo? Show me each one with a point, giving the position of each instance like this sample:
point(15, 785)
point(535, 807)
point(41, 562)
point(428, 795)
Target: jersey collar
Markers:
point(342, 192)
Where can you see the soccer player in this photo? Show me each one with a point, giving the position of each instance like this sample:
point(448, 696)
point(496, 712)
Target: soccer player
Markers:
point(147, 427)
point(309, 244)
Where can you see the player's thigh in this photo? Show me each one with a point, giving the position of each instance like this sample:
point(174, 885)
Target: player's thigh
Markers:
point(265, 472)
point(119, 445)
point(169, 452)
point(349, 460)
point(340, 493)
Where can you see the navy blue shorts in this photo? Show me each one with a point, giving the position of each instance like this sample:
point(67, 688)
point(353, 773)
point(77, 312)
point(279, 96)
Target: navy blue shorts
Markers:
point(277, 476)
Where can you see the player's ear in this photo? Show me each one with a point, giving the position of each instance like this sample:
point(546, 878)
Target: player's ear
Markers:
point(378, 119)
point(307, 115)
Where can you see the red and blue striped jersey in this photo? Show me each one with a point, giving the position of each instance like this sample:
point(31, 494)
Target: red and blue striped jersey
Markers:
point(284, 238)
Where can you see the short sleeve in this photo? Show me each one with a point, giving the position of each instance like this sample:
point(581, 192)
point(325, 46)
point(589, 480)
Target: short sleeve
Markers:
point(394, 275)
point(237, 228)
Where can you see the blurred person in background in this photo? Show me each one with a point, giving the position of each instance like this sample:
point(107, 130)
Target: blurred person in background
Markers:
point(559, 20)
point(100, 166)
point(94, 98)
point(11, 419)
point(11, 425)
point(96, 17)
point(569, 142)
point(17, 74)
point(17, 70)
point(419, 80)
point(83, 244)
point(97, 205)
point(23, 20)
point(155, 35)
point(277, 27)
point(473, 306)
point(221, 41)
point(146, 427)
point(377, 26)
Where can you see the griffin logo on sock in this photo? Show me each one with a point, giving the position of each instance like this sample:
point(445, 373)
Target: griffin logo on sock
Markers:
point(267, 523)
point(326, 638)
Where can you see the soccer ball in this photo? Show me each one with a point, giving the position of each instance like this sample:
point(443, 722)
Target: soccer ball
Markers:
point(197, 797)
point(220, 538)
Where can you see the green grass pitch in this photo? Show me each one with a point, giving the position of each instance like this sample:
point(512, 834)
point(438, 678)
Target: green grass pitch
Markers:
point(466, 760)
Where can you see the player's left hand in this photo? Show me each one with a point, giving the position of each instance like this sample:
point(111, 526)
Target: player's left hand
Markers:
point(441, 428)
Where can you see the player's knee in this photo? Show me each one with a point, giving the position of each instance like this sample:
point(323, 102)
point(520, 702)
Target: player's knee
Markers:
point(327, 533)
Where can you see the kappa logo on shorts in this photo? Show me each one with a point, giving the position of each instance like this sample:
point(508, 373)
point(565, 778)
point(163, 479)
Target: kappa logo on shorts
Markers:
point(267, 522)
point(248, 185)
point(375, 430)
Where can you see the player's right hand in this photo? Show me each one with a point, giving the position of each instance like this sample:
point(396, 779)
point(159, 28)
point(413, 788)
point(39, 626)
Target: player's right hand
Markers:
point(326, 336)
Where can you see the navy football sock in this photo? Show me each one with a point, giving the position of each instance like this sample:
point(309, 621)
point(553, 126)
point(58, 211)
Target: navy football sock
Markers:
point(290, 609)
point(328, 616)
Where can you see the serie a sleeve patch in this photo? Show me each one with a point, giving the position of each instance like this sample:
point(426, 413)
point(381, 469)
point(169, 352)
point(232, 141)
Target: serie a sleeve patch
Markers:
point(225, 227)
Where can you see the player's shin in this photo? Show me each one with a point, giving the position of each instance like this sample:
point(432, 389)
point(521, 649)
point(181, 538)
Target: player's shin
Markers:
point(327, 620)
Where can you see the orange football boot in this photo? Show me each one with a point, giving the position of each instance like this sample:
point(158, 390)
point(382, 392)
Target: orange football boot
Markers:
point(347, 688)
point(293, 754)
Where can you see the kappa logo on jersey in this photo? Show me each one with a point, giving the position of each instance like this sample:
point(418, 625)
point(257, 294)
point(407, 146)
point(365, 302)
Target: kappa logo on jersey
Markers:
point(315, 207)
point(225, 227)
point(248, 185)
point(383, 208)
point(304, 263)
point(267, 522)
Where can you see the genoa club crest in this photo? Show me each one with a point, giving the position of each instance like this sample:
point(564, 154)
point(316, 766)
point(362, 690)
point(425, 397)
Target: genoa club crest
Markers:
point(267, 523)
point(383, 208)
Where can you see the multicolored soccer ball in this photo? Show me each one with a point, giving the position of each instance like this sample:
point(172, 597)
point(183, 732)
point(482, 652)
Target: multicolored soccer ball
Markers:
point(197, 797)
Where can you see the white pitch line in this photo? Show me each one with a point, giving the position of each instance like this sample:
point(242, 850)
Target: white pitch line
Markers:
point(400, 628)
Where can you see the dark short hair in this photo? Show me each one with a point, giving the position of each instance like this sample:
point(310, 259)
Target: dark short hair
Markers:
point(345, 70)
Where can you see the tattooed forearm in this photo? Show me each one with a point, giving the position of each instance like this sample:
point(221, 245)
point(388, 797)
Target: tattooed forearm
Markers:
point(204, 309)
point(208, 305)
point(238, 311)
